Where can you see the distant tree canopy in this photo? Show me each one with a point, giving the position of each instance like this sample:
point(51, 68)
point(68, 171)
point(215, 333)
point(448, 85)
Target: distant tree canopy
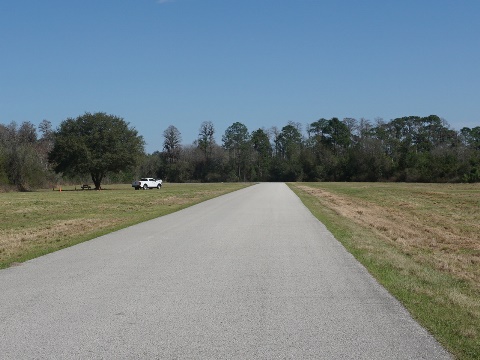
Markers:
point(95, 144)
point(236, 141)
point(410, 149)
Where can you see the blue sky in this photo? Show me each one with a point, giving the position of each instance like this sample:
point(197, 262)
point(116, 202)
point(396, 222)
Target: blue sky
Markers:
point(259, 62)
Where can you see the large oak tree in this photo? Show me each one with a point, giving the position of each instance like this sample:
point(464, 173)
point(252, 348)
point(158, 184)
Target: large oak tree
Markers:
point(95, 144)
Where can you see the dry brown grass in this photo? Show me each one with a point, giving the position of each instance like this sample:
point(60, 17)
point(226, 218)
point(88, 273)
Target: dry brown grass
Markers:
point(13, 242)
point(421, 241)
point(40, 222)
point(428, 225)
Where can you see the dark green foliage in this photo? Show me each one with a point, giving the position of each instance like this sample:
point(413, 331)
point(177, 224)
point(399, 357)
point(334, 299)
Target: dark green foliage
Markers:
point(261, 155)
point(411, 148)
point(471, 137)
point(421, 149)
point(287, 165)
point(95, 144)
point(236, 141)
point(336, 135)
point(289, 143)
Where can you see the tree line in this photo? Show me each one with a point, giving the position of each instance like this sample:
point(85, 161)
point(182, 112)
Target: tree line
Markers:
point(101, 147)
point(407, 149)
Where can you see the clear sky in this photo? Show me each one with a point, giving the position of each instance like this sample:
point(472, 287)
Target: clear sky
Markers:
point(157, 63)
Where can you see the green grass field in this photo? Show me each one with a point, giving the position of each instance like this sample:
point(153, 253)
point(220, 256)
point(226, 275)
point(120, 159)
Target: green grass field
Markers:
point(421, 241)
point(37, 223)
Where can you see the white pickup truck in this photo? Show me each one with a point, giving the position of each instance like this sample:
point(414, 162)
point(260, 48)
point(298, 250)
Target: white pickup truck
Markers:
point(147, 183)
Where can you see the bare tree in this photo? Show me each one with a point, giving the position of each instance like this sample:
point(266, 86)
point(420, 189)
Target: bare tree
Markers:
point(206, 139)
point(172, 143)
point(20, 159)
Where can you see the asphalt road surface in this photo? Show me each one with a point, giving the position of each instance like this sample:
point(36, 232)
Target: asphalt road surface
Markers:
point(249, 275)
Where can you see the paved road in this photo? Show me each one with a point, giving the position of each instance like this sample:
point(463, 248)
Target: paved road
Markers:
point(249, 275)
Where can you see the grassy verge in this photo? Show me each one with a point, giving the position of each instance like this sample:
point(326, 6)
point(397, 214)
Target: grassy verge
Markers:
point(420, 241)
point(37, 223)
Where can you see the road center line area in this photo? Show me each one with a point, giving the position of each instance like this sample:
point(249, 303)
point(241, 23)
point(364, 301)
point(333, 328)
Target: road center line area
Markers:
point(248, 275)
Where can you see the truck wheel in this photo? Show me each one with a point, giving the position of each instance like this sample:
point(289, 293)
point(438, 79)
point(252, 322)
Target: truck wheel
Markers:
point(136, 187)
point(159, 186)
point(145, 187)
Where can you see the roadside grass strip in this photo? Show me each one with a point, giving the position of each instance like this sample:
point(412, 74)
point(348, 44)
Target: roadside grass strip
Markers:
point(420, 241)
point(40, 222)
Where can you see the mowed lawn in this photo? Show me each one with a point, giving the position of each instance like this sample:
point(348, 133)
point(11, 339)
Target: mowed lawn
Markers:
point(421, 241)
point(37, 223)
